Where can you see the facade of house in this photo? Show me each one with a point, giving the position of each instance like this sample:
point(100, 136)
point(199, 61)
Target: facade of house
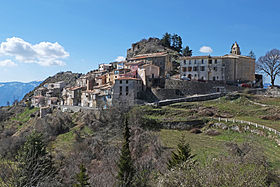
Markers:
point(229, 68)
point(72, 96)
point(162, 60)
point(126, 91)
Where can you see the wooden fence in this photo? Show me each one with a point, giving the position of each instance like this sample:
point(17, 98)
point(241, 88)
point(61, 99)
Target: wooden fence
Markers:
point(248, 123)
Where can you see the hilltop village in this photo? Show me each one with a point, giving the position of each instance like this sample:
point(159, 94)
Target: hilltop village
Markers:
point(151, 72)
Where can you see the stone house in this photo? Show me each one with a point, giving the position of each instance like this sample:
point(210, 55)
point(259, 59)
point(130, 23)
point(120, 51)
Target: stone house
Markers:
point(126, 91)
point(40, 91)
point(72, 96)
point(56, 85)
point(38, 101)
point(99, 97)
point(148, 73)
point(228, 68)
point(163, 60)
point(52, 101)
point(105, 67)
point(101, 80)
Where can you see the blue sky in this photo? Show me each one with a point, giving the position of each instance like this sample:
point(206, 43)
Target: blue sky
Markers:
point(89, 32)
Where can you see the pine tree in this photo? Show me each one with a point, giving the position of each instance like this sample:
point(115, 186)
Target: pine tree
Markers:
point(182, 154)
point(176, 43)
point(252, 55)
point(82, 177)
point(166, 40)
point(35, 165)
point(125, 165)
point(187, 51)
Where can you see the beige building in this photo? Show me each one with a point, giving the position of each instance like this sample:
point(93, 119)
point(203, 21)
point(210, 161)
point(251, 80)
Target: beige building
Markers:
point(230, 68)
point(148, 72)
point(163, 60)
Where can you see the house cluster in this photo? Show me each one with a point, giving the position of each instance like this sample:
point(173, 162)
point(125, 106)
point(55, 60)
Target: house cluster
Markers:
point(115, 83)
point(125, 83)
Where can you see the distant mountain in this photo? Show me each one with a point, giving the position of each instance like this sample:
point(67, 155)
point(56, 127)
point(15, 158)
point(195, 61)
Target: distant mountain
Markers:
point(9, 91)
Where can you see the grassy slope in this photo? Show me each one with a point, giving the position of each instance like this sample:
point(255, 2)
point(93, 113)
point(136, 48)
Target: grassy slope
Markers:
point(205, 146)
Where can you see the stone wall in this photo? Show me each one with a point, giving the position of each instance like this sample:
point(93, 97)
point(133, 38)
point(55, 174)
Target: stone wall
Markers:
point(205, 97)
point(195, 87)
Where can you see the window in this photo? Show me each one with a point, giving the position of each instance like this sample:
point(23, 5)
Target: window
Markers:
point(120, 81)
point(190, 62)
point(214, 78)
point(194, 61)
point(202, 78)
point(202, 61)
point(184, 61)
point(120, 90)
point(216, 61)
point(184, 69)
point(195, 75)
point(215, 68)
point(210, 62)
point(217, 78)
point(189, 69)
point(126, 90)
point(194, 68)
point(126, 81)
point(202, 68)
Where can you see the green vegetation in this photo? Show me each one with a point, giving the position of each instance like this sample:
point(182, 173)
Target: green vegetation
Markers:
point(25, 116)
point(181, 155)
point(125, 165)
point(64, 142)
point(82, 177)
point(204, 146)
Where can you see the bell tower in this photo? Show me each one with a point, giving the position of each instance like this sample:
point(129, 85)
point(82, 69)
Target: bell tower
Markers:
point(235, 49)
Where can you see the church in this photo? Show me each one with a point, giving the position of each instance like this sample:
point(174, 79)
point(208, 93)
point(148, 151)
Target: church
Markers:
point(230, 68)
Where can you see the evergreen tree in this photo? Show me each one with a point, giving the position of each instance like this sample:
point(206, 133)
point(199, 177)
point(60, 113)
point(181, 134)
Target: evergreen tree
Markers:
point(82, 177)
point(182, 154)
point(187, 51)
point(176, 43)
point(125, 165)
point(252, 55)
point(34, 163)
point(166, 40)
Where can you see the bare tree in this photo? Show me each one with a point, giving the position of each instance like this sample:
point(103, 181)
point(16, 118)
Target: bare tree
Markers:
point(270, 64)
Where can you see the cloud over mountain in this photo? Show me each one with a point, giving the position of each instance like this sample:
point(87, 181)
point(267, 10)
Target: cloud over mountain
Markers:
point(43, 53)
point(206, 49)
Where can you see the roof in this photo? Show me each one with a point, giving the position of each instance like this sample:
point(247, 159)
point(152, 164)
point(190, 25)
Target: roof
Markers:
point(146, 65)
point(150, 55)
point(75, 88)
point(128, 78)
point(199, 57)
point(214, 57)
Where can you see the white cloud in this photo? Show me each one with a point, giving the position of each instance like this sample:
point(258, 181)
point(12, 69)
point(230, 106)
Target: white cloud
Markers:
point(206, 49)
point(7, 63)
point(43, 53)
point(120, 58)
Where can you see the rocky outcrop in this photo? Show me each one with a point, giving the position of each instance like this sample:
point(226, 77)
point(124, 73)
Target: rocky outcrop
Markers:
point(146, 46)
